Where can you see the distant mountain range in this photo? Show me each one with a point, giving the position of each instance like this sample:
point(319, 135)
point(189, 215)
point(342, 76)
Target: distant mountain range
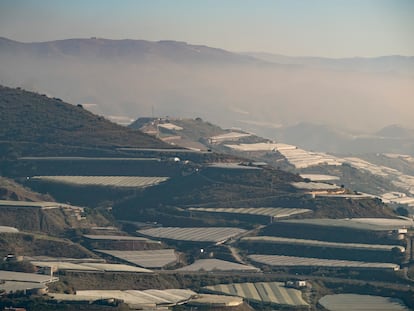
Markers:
point(384, 64)
point(123, 50)
point(124, 79)
point(390, 139)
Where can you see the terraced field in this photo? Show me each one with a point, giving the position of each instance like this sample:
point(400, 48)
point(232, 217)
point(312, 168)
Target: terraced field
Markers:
point(314, 186)
point(217, 265)
point(300, 158)
point(234, 166)
point(228, 137)
point(304, 242)
point(146, 259)
point(346, 302)
point(197, 234)
point(273, 293)
point(106, 181)
point(134, 298)
point(89, 266)
point(319, 177)
point(375, 224)
point(7, 229)
point(41, 205)
point(259, 147)
point(301, 262)
point(275, 212)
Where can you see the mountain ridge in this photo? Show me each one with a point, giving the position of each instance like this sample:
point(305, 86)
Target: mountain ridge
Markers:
point(168, 78)
point(122, 48)
point(29, 117)
point(385, 63)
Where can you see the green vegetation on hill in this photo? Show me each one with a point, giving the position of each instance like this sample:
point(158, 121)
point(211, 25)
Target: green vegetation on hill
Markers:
point(28, 244)
point(56, 222)
point(31, 121)
point(10, 190)
point(214, 187)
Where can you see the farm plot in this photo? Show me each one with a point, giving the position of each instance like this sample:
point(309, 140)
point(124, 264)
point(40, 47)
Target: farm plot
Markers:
point(232, 136)
point(41, 205)
point(314, 186)
point(170, 126)
point(216, 265)
point(197, 234)
point(300, 158)
point(345, 302)
point(209, 300)
point(87, 266)
point(273, 293)
point(60, 265)
point(99, 237)
point(397, 198)
point(120, 242)
point(233, 166)
point(7, 229)
point(26, 277)
point(301, 262)
point(319, 177)
point(397, 223)
point(275, 212)
point(375, 224)
point(112, 267)
point(14, 287)
point(106, 181)
point(146, 259)
point(86, 159)
point(315, 243)
point(135, 298)
point(260, 147)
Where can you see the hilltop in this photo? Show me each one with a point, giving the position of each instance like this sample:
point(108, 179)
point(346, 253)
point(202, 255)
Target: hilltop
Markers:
point(136, 50)
point(36, 124)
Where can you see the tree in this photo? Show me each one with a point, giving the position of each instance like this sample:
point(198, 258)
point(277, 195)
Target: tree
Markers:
point(402, 211)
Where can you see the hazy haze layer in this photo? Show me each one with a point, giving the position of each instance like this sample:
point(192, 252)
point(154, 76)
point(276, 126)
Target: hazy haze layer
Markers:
point(135, 77)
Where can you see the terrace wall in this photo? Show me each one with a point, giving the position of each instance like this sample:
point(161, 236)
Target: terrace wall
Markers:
point(331, 234)
point(121, 245)
point(323, 252)
point(96, 167)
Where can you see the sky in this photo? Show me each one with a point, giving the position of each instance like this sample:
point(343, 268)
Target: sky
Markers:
point(329, 28)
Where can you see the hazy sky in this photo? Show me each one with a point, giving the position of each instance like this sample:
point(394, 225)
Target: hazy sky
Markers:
point(330, 28)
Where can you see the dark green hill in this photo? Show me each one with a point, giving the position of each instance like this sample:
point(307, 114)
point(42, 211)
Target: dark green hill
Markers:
point(10, 190)
point(168, 203)
point(36, 124)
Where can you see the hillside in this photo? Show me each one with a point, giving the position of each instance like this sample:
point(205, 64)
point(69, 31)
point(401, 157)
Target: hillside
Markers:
point(33, 123)
point(40, 245)
point(168, 203)
point(73, 156)
point(195, 133)
point(380, 174)
point(10, 190)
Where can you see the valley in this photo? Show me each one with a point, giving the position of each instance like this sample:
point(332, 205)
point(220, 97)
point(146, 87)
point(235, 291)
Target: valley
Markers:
point(181, 213)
